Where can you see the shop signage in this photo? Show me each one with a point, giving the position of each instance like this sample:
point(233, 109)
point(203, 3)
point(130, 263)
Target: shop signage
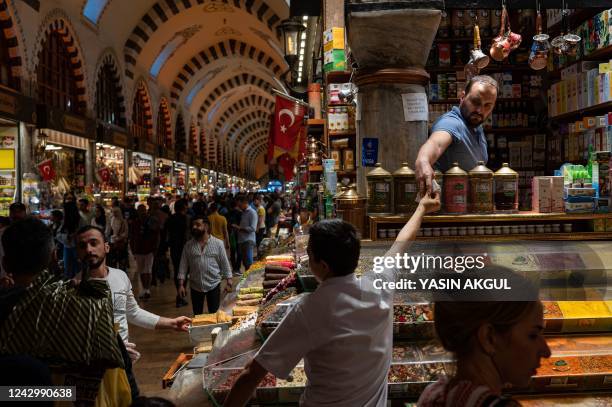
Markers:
point(74, 124)
point(369, 152)
point(120, 139)
point(197, 162)
point(182, 157)
point(17, 106)
point(55, 119)
point(147, 147)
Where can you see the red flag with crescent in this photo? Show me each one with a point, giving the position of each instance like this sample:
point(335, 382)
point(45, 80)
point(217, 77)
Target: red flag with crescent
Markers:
point(104, 174)
point(288, 122)
point(47, 171)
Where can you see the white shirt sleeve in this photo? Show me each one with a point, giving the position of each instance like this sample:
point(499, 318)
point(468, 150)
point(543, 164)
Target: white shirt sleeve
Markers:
point(224, 264)
point(184, 266)
point(138, 316)
point(287, 345)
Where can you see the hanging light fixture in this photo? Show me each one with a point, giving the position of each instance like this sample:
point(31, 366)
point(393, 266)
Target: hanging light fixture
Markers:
point(292, 30)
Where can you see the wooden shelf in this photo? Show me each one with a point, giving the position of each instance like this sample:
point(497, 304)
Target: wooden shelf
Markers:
point(591, 109)
point(491, 68)
point(602, 53)
point(501, 130)
point(337, 76)
point(456, 100)
point(531, 236)
point(495, 217)
point(347, 133)
point(350, 173)
point(483, 40)
point(316, 122)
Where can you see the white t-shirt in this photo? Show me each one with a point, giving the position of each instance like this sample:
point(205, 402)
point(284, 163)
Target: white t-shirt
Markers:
point(125, 306)
point(344, 333)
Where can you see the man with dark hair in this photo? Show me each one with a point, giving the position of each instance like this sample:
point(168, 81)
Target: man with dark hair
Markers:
point(458, 136)
point(178, 233)
point(85, 212)
point(47, 318)
point(343, 330)
point(246, 232)
point(205, 259)
point(92, 249)
point(17, 211)
point(144, 239)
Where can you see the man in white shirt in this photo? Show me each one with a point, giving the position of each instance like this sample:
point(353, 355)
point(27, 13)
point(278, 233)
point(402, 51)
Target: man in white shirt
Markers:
point(343, 330)
point(205, 259)
point(92, 249)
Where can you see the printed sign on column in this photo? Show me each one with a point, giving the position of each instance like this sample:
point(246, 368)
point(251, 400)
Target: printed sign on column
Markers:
point(369, 152)
point(415, 107)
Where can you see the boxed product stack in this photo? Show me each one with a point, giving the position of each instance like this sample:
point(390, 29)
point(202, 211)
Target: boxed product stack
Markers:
point(582, 85)
point(547, 194)
point(579, 195)
point(334, 58)
point(600, 172)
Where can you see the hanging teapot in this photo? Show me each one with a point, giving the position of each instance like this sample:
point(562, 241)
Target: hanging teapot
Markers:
point(477, 57)
point(538, 57)
point(506, 41)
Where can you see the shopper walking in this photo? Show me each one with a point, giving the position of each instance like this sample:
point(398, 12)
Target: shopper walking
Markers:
point(261, 220)
point(233, 220)
point(218, 226)
point(119, 233)
point(178, 232)
point(66, 236)
point(85, 212)
point(144, 238)
point(205, 260)
point(17, 211)
point(246, 231)
point(99, 220)
point(159, 262)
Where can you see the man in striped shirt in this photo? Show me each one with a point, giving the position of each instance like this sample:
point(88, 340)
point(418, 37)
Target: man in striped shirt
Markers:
point(205, 258)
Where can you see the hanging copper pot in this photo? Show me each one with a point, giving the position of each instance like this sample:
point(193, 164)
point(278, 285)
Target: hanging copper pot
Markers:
point(500, 47)
point(538, 57)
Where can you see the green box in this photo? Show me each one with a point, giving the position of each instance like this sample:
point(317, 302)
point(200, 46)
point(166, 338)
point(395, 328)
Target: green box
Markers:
point(334, 60)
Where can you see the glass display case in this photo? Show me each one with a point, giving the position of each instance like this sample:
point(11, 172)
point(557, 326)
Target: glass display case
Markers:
point(9, 141)
point(139, 175)
point(110, 171)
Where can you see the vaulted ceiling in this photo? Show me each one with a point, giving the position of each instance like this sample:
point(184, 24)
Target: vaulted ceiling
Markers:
point(217, 61)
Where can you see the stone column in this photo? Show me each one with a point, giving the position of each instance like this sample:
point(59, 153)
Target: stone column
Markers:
point(391, 48)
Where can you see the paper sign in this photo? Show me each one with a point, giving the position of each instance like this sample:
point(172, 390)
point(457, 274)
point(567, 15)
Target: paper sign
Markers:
point(415, 107)
point(369, 152)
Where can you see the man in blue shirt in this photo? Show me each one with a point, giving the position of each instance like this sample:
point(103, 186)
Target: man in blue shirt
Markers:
point(457, 136)
point(246, 231)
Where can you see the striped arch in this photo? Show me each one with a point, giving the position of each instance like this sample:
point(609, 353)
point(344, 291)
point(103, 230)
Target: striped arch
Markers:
point(255, 153)
point(164, 124)
point(236, 81)
point(246, 133)
point(57, 21)
point(247, 118)
point(163, 10)
point(194, 141)
point(180, 138)
point(240, 143)
point(255, 138)
point(243, 103)
point(203, 143)
point(108, 59)
point(223, 49)
point(10, 35)
point(141, 95)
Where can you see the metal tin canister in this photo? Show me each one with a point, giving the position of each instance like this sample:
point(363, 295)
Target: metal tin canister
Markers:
point(405, 190)
point(506, 189)
point(379, 190)
point(439, 177)
point(481, 189)
point(455, 190)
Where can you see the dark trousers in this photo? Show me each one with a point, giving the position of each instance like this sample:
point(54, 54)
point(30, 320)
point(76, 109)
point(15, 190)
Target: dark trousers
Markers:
point(175, 254)
point(213, 298)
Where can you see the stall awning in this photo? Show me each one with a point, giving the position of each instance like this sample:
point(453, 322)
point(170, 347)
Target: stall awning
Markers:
point(65, 139)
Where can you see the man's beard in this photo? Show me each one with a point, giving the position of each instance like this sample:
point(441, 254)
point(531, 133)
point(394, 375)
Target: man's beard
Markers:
point(94, 265)
point(197, 233)
point(474, 119)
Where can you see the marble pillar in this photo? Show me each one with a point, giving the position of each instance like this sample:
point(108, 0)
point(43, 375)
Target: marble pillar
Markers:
point(391, 49)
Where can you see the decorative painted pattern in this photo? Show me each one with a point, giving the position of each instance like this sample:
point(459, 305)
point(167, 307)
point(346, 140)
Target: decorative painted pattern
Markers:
point(163, 10)
point(109, 60)
point(12, 43)
point(141, 96)
point(164, 132)
point(236, 81)
point(223, 49)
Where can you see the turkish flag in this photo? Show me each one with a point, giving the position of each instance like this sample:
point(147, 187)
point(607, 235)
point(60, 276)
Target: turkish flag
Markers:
point(286, 163)
point(288, 122)
point(47, 171)
point(104, 174)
